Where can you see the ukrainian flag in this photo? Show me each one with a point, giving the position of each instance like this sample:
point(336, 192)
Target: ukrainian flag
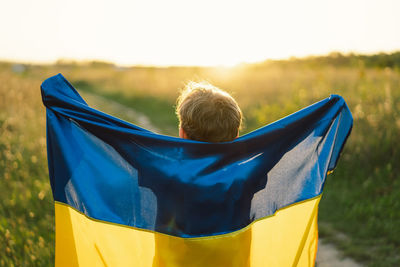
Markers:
point(125, 196)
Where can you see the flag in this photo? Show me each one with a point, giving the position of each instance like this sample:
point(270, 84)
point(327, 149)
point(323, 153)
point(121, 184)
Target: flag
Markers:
point(126, 196)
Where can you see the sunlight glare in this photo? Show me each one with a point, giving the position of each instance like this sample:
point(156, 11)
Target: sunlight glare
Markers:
point(203, 33)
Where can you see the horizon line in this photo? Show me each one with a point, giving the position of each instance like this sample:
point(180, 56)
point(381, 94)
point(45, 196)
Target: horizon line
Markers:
point(149, 65)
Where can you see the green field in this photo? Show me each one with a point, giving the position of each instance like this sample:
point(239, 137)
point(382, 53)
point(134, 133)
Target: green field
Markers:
point(360, 209)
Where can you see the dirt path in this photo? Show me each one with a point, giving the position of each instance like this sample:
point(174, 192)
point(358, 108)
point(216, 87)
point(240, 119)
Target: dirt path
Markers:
point(118, 110)
point(327, 256)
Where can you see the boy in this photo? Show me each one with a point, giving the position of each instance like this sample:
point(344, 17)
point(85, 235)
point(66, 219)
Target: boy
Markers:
point(206, 113)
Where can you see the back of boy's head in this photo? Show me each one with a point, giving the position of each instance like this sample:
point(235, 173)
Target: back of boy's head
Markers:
point(206, 113)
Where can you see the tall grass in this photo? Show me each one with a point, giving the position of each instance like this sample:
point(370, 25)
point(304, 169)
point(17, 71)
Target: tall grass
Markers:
point(26, 208)
point(361, 199)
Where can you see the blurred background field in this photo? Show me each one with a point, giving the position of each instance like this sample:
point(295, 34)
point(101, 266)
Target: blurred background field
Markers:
point(360, 209)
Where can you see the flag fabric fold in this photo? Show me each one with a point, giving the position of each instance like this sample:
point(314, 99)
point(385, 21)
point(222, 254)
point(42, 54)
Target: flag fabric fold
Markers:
point(125, 196)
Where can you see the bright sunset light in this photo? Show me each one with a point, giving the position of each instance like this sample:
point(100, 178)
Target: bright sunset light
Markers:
point(178, 32)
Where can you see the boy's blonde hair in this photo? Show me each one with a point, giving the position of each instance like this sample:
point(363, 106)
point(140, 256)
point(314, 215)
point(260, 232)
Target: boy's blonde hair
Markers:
point(206, 113)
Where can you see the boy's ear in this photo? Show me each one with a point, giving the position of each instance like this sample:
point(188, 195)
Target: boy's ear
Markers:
point(182, 134)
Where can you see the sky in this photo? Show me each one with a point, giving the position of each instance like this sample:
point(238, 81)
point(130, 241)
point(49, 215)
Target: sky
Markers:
point(201, 32)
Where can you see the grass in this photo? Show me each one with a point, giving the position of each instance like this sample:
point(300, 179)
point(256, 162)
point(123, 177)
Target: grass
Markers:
point(26, 209)
point(359, 209)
